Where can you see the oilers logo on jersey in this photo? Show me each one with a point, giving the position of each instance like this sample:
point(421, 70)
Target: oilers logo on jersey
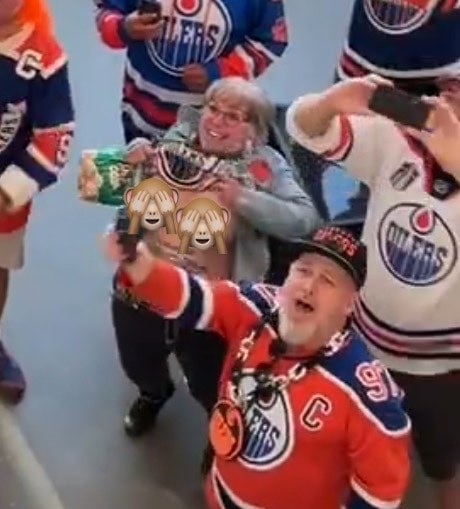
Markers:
point(194, 31)
point(10, 122)
point(397, 16)
point(268, 427)
point(416, 245)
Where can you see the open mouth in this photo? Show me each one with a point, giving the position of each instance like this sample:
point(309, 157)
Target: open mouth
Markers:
point(152, 221)
point(303, 306)
point(215, 135)
point(202, 241)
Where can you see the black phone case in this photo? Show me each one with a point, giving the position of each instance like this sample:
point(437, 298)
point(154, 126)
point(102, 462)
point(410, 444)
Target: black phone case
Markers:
point(399, 106)
point(127, 241)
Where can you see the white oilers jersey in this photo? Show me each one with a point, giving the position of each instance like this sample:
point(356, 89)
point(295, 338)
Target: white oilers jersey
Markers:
point(408, 309)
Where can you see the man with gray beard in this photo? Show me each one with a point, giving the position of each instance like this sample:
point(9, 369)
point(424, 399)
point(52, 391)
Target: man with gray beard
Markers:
point(304, 413)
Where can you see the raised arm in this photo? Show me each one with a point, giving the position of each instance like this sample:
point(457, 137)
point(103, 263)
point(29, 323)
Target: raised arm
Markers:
point(175, 294)
point(337, 125)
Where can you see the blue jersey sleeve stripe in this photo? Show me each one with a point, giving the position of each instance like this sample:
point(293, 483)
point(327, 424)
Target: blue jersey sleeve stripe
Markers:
point(387, 416)
point(360, 499)
point(192, 307)
point(35, 170)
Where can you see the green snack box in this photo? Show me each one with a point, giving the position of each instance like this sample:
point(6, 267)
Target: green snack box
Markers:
point(103, 176)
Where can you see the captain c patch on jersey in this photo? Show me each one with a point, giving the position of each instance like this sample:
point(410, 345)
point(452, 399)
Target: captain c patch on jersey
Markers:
point(416, 245)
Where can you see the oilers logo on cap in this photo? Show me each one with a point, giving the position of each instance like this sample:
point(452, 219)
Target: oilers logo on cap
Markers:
point(397, 16)
point(194, 31)
point(416, 245)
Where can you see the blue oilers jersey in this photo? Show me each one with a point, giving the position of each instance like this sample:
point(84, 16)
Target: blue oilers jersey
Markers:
point(36, 118)
point(237, 37)
point(400, 41)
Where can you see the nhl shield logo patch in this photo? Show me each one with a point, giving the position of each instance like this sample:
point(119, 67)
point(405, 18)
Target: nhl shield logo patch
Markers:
point(404, 176)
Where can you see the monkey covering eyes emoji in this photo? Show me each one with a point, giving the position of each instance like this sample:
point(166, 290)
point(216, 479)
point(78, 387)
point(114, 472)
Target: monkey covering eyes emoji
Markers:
point(151, 204)
point(202, 224)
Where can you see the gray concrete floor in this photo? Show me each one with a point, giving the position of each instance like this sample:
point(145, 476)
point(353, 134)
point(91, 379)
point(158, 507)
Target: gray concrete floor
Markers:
point(71, 417)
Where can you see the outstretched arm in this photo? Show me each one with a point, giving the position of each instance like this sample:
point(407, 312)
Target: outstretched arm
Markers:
point(337, 125)
point(175, 294)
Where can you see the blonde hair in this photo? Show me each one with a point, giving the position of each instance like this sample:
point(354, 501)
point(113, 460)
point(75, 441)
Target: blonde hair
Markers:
point(36, 12)
point(250, 96)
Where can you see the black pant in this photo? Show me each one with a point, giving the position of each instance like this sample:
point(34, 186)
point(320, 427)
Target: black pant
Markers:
point(145, 340)
point(432, 403)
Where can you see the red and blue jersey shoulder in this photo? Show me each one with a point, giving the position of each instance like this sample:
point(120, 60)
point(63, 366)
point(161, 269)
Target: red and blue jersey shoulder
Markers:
point(221, 306)
point(380, 28)
point(368, 383)
point(36, 113)
point(377, 426)
point(261, 296)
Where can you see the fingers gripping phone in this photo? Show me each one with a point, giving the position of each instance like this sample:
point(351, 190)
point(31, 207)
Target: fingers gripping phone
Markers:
point(150, 7)
point(127, 241)
point(400, 106)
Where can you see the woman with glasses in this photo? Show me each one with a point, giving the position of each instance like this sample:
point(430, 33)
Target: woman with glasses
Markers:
point(256, 186)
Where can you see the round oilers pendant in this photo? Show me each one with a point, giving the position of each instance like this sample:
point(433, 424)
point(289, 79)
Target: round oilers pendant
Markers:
point(226, 429)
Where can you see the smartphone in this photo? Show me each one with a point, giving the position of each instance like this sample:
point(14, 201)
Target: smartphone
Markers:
point(127, 241)
point(149, 7)
point(404, 108)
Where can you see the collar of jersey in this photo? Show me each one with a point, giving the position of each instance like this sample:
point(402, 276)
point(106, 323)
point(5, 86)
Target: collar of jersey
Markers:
point(9, 46)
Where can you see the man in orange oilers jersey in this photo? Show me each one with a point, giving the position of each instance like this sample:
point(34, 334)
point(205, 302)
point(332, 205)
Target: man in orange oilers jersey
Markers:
point(36, 127)
point(307, 418)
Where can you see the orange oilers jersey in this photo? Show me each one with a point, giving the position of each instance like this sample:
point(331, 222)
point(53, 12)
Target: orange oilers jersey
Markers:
point(336, 438)
point(36, 118)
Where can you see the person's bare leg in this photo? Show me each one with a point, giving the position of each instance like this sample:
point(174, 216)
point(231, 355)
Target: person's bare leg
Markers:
point(4, 283)
point(448, 493)
point(12, 382)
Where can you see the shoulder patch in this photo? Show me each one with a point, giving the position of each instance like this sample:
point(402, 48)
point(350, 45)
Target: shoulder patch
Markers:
point(40, 53)
point(369, 385)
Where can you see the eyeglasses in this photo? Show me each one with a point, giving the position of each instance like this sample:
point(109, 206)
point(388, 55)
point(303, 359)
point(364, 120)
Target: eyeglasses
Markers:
point(231, 118)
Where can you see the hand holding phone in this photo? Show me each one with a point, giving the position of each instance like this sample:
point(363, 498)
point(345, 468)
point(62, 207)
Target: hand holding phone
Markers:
point(144, 24)
point(404, 108)
point(150, 7)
